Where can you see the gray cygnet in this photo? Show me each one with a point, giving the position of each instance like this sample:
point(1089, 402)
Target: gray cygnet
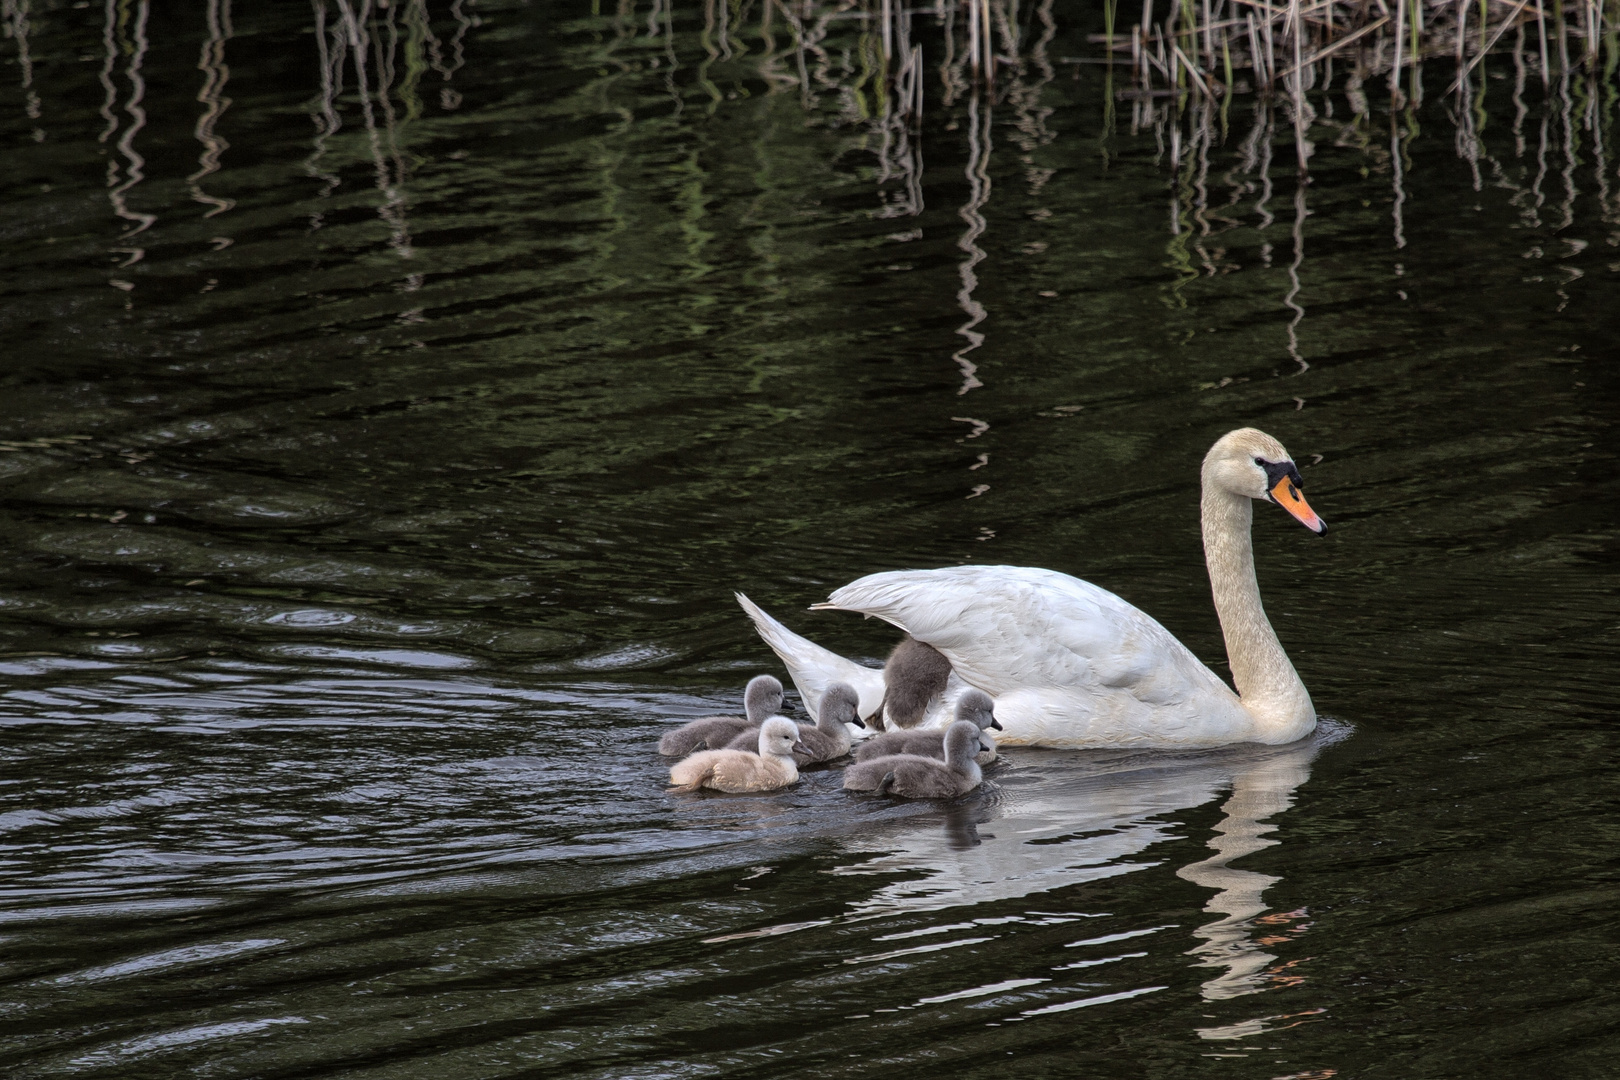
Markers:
point(829, 738)
point(762, 700)
point(974, 706)
point(913, 676)
point(914, 777)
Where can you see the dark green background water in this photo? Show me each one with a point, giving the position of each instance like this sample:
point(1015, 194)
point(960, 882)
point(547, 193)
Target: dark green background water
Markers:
point(369, 510)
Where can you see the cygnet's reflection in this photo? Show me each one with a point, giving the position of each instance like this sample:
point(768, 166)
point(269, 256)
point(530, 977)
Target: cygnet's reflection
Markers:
point(1057, 819)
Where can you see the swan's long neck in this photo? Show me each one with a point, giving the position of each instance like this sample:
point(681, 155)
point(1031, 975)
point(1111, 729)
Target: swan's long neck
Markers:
point(1267, 682)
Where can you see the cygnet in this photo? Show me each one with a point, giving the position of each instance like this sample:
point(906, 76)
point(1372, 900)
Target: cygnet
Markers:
point(739, 770)
point(762, 700)
point(829, 739)
point(974, 706)
point(914, 777)
point(913, 676)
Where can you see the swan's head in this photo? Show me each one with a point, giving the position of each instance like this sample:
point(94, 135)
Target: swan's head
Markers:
point(1250, 462)
point(976, 707)
point(779, 737)
point(840, 705)
point(762, 698)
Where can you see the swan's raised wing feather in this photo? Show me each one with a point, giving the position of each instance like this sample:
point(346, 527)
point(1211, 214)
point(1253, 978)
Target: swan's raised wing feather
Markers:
point(1006, 628)
point(814, 669)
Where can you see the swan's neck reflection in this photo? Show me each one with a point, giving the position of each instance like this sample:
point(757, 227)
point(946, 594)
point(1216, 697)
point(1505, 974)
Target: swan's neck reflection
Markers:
point(1258, 794)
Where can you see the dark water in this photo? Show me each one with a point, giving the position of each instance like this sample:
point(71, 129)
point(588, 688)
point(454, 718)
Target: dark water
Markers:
point(378, 469)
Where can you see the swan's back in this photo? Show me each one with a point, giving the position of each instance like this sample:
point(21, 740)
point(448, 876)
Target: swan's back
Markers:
point(1063, 658)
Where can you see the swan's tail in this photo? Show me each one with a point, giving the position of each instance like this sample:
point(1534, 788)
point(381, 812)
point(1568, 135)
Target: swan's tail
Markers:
point(814, 669)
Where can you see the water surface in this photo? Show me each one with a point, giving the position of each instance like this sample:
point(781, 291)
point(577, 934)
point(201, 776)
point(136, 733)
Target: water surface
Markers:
point(386, 430)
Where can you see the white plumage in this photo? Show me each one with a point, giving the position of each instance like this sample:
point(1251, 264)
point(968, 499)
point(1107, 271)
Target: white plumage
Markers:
point(813, 669)
point(1072, 665)
point(1068, 663)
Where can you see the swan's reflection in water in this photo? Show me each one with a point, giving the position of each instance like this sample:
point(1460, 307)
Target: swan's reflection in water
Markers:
point(1058, 819)
point(1260, 791)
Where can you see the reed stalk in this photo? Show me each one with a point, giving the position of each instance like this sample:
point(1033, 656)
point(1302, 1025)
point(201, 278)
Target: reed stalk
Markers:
point(1270, 38)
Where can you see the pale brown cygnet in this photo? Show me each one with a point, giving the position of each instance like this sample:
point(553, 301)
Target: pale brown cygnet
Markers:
point(762, 700)
point(739, 770)
point(913, 777)
point(913, 676)
point(974, 706)
point(829, 739)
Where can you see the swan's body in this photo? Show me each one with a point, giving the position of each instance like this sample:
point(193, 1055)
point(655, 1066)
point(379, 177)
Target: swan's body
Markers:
point(739, 770)
point(1073, 665)
point(827, 740)
point(912, 776)
point(761, 701)
point(975, 707)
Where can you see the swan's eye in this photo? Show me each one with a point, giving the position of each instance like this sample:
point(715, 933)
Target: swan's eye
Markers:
point(1260, 462)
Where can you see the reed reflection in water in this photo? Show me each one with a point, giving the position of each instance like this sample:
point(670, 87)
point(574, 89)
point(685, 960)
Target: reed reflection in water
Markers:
point(868, 68)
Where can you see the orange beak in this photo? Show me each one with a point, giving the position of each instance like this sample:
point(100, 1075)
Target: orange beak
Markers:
point(1286, 495)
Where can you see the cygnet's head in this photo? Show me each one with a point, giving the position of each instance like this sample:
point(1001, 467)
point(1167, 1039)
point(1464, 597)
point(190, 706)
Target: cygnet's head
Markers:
point(762, 698)
point(779, 737)
point(1250, 462)
point(976, 707)
point(963, 741)
point(841, 705)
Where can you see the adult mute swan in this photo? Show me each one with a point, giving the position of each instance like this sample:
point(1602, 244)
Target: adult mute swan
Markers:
point(1073, 665)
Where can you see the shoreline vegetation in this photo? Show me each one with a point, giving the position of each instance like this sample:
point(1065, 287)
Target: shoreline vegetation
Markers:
point(1188, 53)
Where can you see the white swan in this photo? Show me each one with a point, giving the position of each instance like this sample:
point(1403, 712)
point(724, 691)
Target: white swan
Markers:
point(1073, 665)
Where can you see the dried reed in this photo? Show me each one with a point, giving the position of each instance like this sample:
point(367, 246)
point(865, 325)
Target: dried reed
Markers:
point(1189, 49)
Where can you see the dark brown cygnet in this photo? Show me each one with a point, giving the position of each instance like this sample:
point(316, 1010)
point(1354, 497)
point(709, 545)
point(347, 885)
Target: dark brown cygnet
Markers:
point(974, 706)
point(912, 777)
point(829, 739)
point(912, 676)
point(762, 700)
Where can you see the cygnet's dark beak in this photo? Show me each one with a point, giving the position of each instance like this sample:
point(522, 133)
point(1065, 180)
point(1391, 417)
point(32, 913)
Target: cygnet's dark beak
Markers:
point(996, 723)
point(800, 748)
point(858, 722)
point(985, 747)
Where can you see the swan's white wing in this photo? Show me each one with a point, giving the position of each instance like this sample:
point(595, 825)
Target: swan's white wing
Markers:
point(814, 669)
point(1069, 658)
point(1005, 627)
